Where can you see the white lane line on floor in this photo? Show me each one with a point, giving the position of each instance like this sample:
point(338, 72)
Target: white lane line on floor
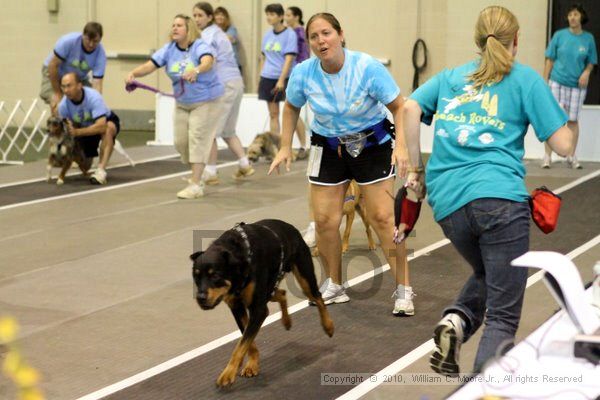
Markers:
point(75, 173)
point(427, 347)
point(576, 182)
point(405, 361)
point(106, 188)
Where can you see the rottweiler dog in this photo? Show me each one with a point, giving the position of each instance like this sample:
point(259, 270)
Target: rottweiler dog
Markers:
point(243, 268)
point(63, 150)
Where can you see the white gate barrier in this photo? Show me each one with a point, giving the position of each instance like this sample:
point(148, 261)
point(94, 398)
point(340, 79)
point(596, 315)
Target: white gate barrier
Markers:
point(21, 130)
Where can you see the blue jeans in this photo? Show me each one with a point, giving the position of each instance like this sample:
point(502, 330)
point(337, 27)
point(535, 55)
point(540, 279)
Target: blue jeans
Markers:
point(490, 233)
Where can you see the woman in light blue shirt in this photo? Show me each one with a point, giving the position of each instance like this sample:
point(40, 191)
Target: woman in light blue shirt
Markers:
point(278, 54)
point(188, 62)
point(348, 92)
point(230, 75)
point(570, 57)
point(475, 179)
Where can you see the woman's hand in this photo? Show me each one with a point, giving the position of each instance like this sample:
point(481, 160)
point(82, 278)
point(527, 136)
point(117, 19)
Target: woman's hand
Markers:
point(283, 155)
point(415, 181)
point(191, 76)
point(400, 160)
point(130, 78)
point(584, 79)
point(279, 87)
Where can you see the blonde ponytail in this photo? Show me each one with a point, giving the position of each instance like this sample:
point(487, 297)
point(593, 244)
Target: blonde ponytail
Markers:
point(494, 32)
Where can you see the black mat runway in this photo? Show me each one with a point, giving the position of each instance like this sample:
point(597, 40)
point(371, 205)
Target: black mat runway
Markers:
point(367, 337)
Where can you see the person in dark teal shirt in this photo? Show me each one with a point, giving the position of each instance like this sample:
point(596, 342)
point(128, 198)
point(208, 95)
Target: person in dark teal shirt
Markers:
point(570, 57)
point(475, 179)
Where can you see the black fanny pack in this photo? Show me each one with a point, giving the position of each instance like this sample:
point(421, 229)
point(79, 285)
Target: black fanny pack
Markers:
point(354, 143)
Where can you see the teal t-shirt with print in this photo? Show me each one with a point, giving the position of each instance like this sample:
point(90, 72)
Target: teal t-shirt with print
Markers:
point(571, 53)
point(478, 143)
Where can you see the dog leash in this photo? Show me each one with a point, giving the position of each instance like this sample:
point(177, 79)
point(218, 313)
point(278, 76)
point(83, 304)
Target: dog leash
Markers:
point(131, 86)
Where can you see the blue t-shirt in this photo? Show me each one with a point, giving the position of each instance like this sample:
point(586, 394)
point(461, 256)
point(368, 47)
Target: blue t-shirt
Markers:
point(87, 111)
point(350, 101)
point(177, 60)
point(478, 134)
point(571, 54)
point(69, 49)
point(227, 66)
point(232, 31)
point(275, 46)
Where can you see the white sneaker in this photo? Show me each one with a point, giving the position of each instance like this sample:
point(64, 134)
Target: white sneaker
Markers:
point(403, 306)
point(335, 294)
point(546, 161)
point(192, 191)
point(573, 162)
point(310, 236)
point(448, 337)
point(99, 177)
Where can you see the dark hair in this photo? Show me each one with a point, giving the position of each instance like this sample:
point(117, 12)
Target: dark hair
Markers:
point(297, 12)
point(208, 10)
point(329, 18)
point(76, 77)
point(274, 8)
point(222, 10)
point(579, 8)
point(92, 30)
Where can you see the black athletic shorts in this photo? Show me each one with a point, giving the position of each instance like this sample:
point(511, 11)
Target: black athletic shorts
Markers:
point(372, 164)
point(89, 144)
point(266, 88)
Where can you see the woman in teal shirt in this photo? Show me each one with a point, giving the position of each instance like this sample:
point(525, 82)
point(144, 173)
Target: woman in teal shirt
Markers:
point(475, 179)
point(570, 57)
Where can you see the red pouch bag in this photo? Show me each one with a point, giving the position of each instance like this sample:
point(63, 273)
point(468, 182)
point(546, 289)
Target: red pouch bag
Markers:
point(545, 207)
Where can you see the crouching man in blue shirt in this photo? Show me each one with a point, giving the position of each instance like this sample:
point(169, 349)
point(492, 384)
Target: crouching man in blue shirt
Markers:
point(89, 122)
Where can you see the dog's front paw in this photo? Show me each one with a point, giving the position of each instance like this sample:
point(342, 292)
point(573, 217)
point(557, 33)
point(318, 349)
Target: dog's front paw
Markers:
point(227, 377)
point(344, 247)
point(250, 370)
point(372, 246)
point(59, 181)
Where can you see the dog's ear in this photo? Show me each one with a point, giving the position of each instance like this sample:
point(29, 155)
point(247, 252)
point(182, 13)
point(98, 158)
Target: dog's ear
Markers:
point(196, 255)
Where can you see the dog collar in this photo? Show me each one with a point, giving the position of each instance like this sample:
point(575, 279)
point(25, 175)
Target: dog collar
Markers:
point(238, 228)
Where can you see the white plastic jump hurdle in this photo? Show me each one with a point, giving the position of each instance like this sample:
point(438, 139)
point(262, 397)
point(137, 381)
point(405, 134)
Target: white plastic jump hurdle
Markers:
point(28, 134)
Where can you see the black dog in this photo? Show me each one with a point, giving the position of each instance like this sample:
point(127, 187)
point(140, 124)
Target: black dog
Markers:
point(243, 268)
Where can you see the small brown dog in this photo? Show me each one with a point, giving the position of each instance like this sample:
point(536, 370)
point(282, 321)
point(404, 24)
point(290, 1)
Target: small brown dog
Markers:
point(265, 145)
point(353, 203)
point(64, 149)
